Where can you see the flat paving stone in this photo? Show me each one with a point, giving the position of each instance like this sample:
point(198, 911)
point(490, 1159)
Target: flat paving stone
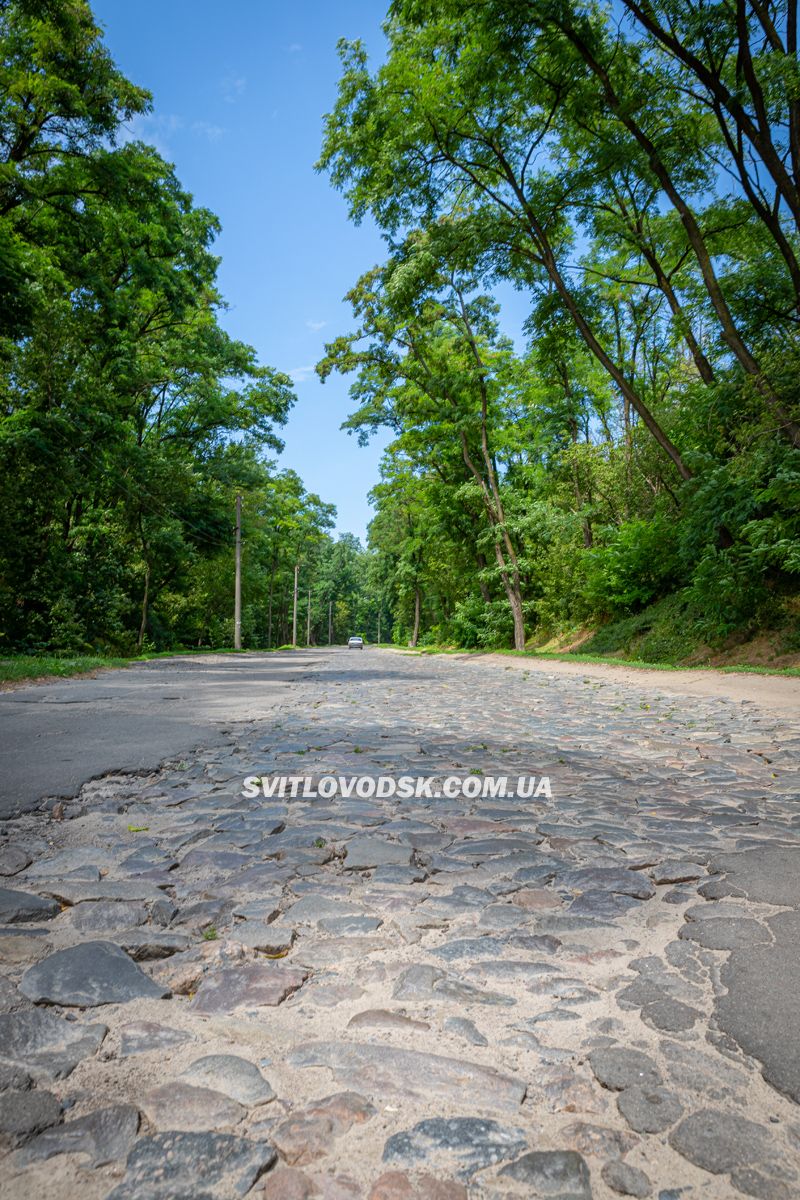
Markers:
point(17, 907)
point(310, 1133)
point(365, 853)
point(23, 1114)
point(617, 1067)
point(148, 1037)
point(180, 1105)
point(649, 1109)
point(233, 1076)
point(187, 1166)
point(722, 933)
point(626, 1179)
point(88, 975)
point(558, 1173)
point(720, 1142)
point(104, 1136)
point(253, 985)
point(45, 1044)
point(13, 859)
point(425, 983)
point(468, 1144)
point(375, 1070)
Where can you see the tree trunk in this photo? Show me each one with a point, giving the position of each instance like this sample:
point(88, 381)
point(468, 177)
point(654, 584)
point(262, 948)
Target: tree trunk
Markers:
point(143, 624)
point(417, 608)
point(480, 559)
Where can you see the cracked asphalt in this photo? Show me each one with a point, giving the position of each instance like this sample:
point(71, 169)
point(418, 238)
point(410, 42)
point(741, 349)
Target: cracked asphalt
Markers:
point(589, 992)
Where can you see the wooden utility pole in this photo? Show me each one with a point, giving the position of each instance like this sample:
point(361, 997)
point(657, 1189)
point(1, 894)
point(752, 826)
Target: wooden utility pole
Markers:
point(308, 619)
point(294, 605)
point(379, 627)
point(330, 622)
point(237, 591)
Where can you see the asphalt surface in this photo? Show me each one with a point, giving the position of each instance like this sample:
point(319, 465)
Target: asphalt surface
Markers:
point(54, 737)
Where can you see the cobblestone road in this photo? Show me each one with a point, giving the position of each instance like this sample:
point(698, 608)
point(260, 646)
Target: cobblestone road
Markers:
point(583, 995)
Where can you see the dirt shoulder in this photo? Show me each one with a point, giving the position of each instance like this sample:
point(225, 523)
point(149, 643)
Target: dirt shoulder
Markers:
point(776, 693)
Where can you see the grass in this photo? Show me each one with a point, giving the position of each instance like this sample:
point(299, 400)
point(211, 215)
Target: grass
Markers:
point(40, 666)
point(17, 667)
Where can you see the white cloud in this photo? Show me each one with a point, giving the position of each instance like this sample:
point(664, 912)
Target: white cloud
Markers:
point(154, 128)
point(300, 374)
point(295, 48)
point(232, 88)
point(205, 129)
point(316, 325)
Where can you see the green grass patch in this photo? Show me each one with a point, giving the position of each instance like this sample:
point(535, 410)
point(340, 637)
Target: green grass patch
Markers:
point(42, 666)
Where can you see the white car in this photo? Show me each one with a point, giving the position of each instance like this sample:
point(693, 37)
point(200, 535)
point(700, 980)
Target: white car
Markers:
point(355, 643)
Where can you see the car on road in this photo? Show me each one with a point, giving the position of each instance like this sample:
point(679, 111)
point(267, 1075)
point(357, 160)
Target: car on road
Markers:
point(355, 643)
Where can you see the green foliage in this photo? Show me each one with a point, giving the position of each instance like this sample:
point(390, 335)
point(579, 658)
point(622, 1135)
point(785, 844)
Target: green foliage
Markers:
point(129, 418)
point(630, 177)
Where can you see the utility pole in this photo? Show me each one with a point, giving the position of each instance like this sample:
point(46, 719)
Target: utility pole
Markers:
point(294, 606)
point(330, 622)
point(379, 627)
point(308, 619)
point(237, 592)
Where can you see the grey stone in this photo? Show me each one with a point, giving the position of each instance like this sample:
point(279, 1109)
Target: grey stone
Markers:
point(472, 1142)
point(76, 891)
point(512, 969)
point(253, 985)
point(17, 907)
point(14, 1078)
point(46, 1045)
point(270, 939)
point(107, 916)
point(465, 1029)
point(258, 910)
point(676, 871)
point(762, 1185)
point(672, 1016)
point(364, 853)
point(145, 1037)
point(233, 1076)
point(23, 1114)
point(310, 909)
point(180, 1105)
point(721, 933)
point(148, 943)
point(626, 1179)
point(13, 859)
point(710, 909)
point(105, 1135)
point(193, 1166)
point(381, 1018)
point(617, 1067)
point(649, 1109)
point(557, 1173)
point(720, 1142)
point(621, 882)
point(71, 862)
point(87, 975)
point(379, 1070)
point(347, 926)
point(423, 982)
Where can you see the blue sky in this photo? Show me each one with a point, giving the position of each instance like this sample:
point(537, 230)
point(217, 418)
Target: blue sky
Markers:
point(239, 93)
